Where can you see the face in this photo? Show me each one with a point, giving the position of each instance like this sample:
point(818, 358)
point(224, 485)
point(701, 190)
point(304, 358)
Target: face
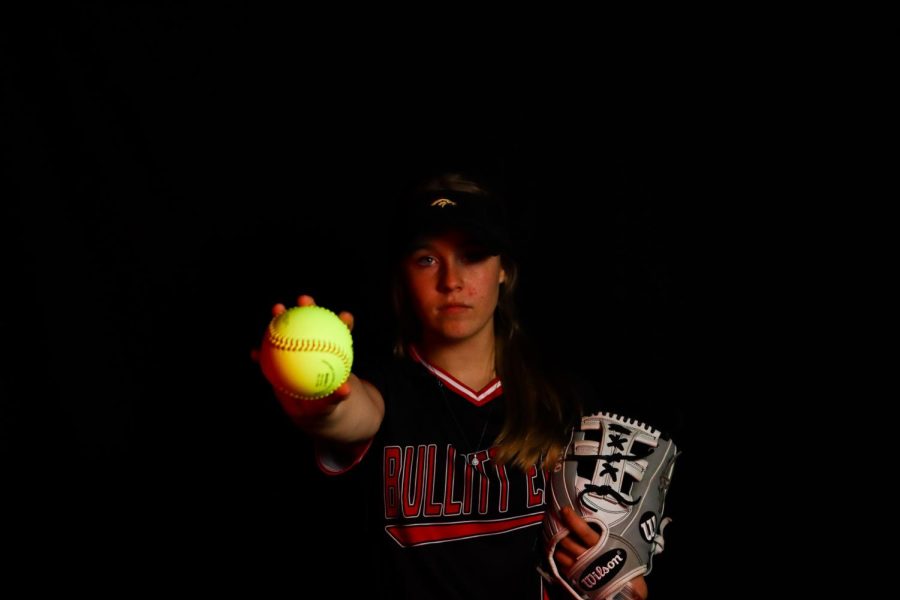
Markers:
point(453, 286)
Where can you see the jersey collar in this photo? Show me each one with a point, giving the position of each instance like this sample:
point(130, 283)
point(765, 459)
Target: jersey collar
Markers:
point(479, 398)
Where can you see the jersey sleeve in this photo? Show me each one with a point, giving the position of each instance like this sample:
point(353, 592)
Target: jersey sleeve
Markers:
point(337, 460)
point(334, 459)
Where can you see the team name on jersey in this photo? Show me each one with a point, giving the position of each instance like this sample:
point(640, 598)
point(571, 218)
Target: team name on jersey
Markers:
point(415, 485)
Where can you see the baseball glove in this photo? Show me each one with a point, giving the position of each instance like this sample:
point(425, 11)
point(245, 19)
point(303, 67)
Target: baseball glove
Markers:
point(615, 474)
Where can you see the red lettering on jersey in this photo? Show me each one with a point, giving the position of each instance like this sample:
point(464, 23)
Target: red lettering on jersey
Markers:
point(535, 490)
point(451, 506)
point(484, 482)
point(432, 508)
point(412, 490)
point(468, 475)
point(504, 482)
point(391, 482)
point(411, 483)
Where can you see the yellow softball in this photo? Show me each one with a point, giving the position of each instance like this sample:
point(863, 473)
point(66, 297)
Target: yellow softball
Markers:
point(307, 352)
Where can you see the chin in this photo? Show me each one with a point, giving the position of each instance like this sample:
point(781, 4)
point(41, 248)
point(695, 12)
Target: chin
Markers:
point(455, 336)
point(446, 331)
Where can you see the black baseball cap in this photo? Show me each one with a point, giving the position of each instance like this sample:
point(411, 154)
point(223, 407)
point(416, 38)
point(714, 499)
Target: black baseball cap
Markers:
point(425, 213)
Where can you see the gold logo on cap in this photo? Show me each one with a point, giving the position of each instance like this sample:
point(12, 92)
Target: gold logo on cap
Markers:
point(443, 202)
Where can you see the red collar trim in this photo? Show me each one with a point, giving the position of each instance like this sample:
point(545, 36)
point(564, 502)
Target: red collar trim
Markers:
point(479, 398)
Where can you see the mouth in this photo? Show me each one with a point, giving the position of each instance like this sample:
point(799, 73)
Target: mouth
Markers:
point(453, 308)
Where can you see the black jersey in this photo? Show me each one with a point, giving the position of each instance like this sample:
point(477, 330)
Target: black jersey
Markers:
point(449, 522)
point(453, 523)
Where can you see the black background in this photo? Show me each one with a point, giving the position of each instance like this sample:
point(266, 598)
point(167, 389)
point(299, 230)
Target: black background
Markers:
point(173, 172)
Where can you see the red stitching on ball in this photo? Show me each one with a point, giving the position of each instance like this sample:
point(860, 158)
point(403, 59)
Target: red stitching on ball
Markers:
point(307, 345)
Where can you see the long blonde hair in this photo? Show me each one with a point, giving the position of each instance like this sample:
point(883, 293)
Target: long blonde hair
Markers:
point(537, 414)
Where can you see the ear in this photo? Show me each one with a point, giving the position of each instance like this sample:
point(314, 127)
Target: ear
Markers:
point(502, 275)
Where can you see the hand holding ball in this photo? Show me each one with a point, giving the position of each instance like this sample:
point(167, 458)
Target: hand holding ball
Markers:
point(307, 352)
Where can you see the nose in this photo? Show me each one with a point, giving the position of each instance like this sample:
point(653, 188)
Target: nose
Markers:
point(451, 276)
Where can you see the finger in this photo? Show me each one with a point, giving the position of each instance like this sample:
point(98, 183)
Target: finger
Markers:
point(572, 547)
point(299, 408)
point(347, 318)
point(336, 397)
point(342, 392)
point(637, 587)
point(579, 527)
point(254, 354)
point(563, 560)
point(278, 309)
point(305, 300)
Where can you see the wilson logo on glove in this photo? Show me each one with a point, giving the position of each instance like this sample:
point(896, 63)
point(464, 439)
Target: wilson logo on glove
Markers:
point(604, 567)
point(615, 475)
point(648, 526)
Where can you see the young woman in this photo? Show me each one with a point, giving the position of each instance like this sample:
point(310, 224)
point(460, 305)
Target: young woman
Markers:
point(458, 430)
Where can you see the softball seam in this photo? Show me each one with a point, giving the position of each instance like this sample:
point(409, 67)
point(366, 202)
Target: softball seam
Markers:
point(307, 345)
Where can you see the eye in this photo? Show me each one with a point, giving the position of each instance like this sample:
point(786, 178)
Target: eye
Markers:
point(424, 261)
